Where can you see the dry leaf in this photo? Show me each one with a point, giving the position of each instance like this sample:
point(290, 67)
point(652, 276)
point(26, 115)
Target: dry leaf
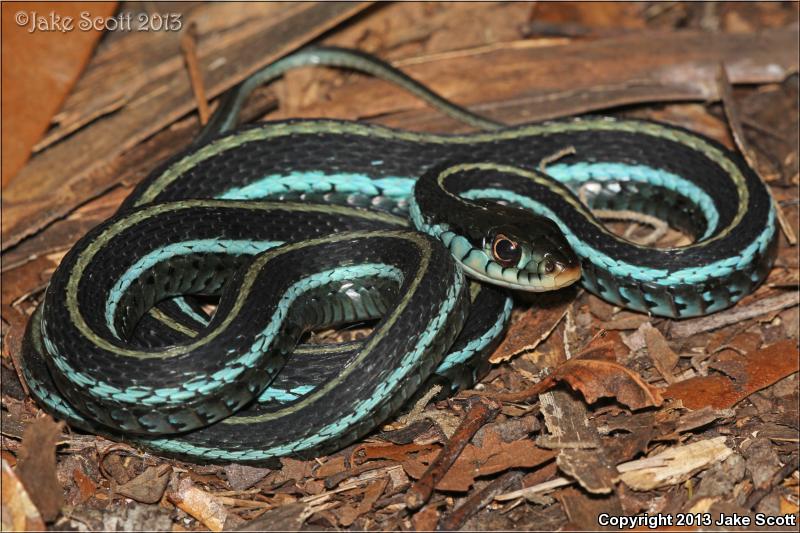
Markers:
point(85, 484)
point(242, 477)
point(44, 65)
point(294, 469)
point(583, 510)
point(595, 379)
point(36, 466)
point(531, 329)
point(493, 457)
point(371, 495)
point(334, 465)
point(289, 517)
point(662, 355)
point(606, 345)
point(601, 379)
point(427, 518)
point(626, 320)
point(19, 513)
point(147, 487)
point(395, 452)
point(762, 368)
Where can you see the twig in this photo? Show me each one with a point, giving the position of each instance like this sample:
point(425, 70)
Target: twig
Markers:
point(239, 502)
point(480, 413)
point(36, 290)
point(684, 330)
point(455, 520)
point(541, 487)
point(520, 396)
point(189, 49)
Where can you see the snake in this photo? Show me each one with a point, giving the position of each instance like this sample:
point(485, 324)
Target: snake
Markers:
point(297, 225)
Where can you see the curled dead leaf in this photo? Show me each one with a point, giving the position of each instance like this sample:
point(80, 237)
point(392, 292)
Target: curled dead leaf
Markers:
point(597, 379)
point(147, 487)
point(529, 331)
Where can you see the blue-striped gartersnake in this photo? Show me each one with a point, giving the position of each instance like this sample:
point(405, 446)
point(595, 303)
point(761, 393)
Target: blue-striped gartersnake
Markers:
point(303, 224)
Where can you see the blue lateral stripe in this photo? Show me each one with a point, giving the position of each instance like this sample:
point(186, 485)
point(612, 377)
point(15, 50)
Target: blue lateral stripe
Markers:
point(318, 181)
point(202, 246)
point(272, 394)
point(360, 410)
point(582, 172)
point(184, 306)
point(479, 343)
point(401, 188)
point(238, 365)
point(720, 268)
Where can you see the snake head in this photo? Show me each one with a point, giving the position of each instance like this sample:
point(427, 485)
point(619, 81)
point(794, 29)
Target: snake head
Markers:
point(526, 252)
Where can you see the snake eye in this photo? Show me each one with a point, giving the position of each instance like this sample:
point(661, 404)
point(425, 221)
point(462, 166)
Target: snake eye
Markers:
point(505, 251)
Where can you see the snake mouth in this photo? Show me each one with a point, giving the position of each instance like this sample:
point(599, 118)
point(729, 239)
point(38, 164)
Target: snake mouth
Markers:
point(568, 276)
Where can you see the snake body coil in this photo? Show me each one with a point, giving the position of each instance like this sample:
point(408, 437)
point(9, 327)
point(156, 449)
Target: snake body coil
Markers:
point(302, 224)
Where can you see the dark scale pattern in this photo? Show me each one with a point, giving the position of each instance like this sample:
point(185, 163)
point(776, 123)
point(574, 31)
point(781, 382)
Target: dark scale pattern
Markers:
point(587, 231)
point(679, 299)
point(338, 147)
point(156, 232)
point(344, 397)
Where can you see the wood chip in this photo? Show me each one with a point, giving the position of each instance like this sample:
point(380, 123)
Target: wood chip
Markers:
point(675, 465)
point(203, 506)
